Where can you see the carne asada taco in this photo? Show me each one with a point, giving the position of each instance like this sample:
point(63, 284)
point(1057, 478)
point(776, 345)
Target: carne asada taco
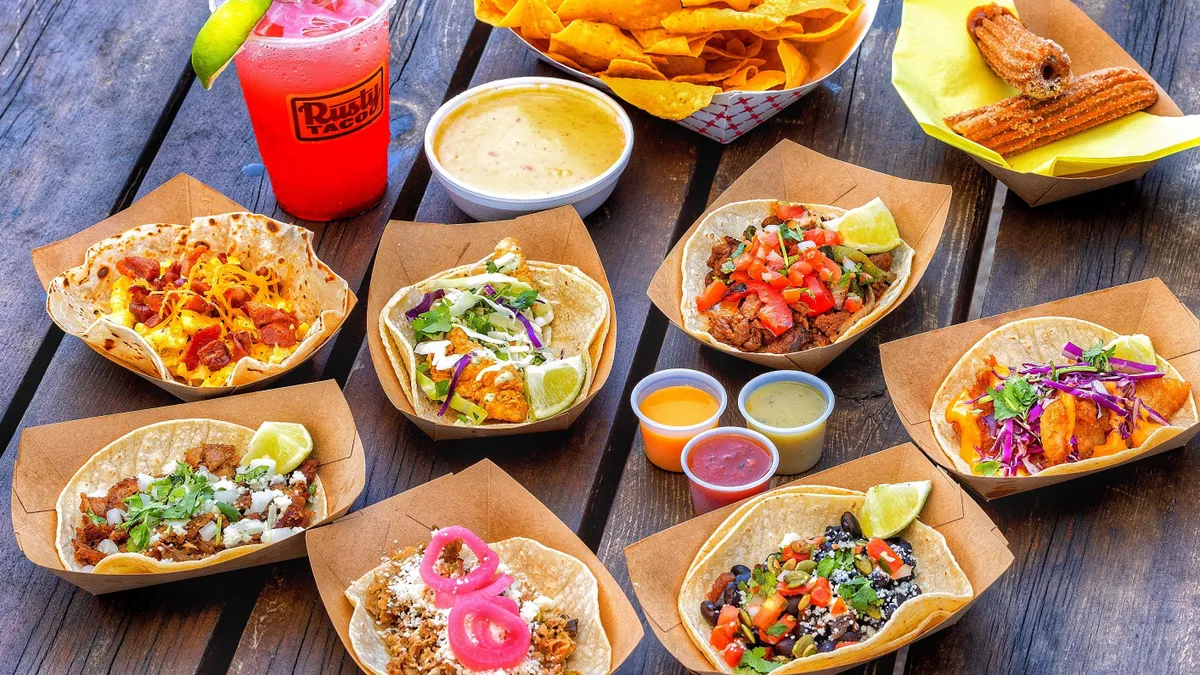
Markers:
point(780, 277)
point(504, 341)
point(178, 495)
point(223, 301)
point(789, 583)
point(1053, 395)
point(460, 605)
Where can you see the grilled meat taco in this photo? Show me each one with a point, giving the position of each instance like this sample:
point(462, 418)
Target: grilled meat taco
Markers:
point(177, 495)
point(460, 605)
point(223, 301)
point(1055, 395)
point(789, 584)
point(779, 277)
point(501, 342)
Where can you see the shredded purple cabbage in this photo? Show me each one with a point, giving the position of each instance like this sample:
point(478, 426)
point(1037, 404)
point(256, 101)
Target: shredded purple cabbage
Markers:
point(537, 344)
point(458, 369)
point(425, 304)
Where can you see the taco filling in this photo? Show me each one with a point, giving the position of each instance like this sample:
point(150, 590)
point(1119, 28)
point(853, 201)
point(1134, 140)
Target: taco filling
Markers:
point(454, 606)
point(1017, 419)
point(203, 312)
point(196, 508)
point(811, 596)
point(789, 283)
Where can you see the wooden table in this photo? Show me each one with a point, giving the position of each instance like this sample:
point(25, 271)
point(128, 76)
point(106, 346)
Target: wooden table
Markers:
point(95, 112)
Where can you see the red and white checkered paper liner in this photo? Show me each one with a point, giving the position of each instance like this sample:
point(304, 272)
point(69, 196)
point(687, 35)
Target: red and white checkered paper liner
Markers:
point(733, 113)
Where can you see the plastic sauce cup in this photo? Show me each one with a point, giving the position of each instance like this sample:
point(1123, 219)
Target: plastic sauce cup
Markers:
point(664, 443)
point(799, 447)
point(707, 496)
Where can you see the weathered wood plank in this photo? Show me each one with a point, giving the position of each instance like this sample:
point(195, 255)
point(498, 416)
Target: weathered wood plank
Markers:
point(1120, 540)
point(859, 118)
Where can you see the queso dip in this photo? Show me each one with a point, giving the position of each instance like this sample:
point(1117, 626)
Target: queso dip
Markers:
point(530, 141)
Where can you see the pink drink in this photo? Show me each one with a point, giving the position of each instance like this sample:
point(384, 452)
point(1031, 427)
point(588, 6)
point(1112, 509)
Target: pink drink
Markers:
point(315, 78)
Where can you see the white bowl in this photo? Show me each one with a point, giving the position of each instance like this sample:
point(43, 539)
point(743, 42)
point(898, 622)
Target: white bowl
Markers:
point(482, 205)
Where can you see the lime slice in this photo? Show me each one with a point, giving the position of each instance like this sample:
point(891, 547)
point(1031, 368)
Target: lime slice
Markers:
point(889, 509)
point(1136, 348)
point(870, 228)
point(222, 36)
point(285, 442)
point(553, 386)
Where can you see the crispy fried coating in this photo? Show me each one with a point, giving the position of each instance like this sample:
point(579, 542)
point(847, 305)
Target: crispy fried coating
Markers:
point(1033, 65)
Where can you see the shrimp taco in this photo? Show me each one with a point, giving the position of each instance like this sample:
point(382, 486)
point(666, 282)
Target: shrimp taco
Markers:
point(778, 277)
point(1054, 395)
point(185, 494)
point(223, 301)
point(791, 583)
point(502, 342)
point(461, 605)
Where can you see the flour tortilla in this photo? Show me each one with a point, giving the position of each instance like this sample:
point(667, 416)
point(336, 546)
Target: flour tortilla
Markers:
point(580, 326)
point(76, 298)
point(545, 571)
point(148, 450)
point(732, 220)
point(754, 531)
point(1040, 340)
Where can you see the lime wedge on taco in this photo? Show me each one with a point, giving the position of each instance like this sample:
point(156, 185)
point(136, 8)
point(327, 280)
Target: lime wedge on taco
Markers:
point(1137, 348)
point(870, 228)
point(888, 509)
point(554, 386)
point(222, 36)
point(287, 443)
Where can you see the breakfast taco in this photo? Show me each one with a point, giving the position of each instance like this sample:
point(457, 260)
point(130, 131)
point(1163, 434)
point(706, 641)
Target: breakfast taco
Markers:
point(504, 341)
point(223, 301)
point(459, 605)
point(791, 582)
point(188, 493)
point(1054, 395)
point(778, 277)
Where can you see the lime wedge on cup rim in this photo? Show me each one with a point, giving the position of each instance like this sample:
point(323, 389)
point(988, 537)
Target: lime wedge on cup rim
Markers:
point(870, 228)
point(288, 443)
point(553, 386)
point(888, 509)
point(222, 36)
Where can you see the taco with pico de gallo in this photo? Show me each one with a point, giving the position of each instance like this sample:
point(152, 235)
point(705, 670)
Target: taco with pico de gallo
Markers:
point(780, 277)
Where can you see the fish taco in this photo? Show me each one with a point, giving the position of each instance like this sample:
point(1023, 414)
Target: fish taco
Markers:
point(461, 605)
point(790, 583)
point(188, 493)
point(1054, 395)
point(223, 301)
point(779, 277)
point(505, 341)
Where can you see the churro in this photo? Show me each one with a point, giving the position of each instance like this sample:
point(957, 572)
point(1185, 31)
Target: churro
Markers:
point(1021, 123)
point(1035, 66)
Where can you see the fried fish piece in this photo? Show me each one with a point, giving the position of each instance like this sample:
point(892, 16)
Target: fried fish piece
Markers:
point(1066, 417)
point(1165, 396)
point(1035, 66)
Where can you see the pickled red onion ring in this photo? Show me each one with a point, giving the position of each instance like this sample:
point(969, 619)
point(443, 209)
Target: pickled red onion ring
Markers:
point(505, 603)
point(470, 629)
point(493, 589)
point(447, 589)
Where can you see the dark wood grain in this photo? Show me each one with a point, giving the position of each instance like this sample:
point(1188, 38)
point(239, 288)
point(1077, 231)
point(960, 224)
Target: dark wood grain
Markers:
point(1096, 583)
point(859, 118)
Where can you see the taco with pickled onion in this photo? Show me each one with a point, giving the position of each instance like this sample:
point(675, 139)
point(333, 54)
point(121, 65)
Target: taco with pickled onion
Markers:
point(1054, 395)
point(502, 342)
point(184, 494)
point(222, 301)
point(781, 277)
point(459, 604)
point(789, 583)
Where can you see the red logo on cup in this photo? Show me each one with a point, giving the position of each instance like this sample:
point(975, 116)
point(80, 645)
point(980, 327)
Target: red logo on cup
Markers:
point(324, 116)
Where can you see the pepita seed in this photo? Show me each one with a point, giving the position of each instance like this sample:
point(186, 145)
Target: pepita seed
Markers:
point(790, 564)
point(805, 600)
point(748, 633)
point(806, 566)
point(863, 565)
point(873, 612)
point(799, 546)
point(809, 651)
point(745, 617)
point(802, 643)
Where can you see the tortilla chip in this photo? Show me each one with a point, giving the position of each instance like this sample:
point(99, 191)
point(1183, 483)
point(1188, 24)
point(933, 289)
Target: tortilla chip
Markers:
point(675, 66)
point(662, 42)
point(595, 45)
point(668, 100)
point(839, 28)
point(567, 62)
point(633, 69)
point(627, 14)
point(534, 18)
point(795, 65)
point(708, 19)
point(764, 80)
point(739, 5)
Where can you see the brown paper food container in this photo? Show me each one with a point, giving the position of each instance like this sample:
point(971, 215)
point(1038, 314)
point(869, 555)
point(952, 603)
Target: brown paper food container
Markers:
point(175, 201)
point(412, 252)
point(658, 564)
point(50, 455)
point(791, 172)
point(482, 498)
point(1146, 307)
point(1090, 48)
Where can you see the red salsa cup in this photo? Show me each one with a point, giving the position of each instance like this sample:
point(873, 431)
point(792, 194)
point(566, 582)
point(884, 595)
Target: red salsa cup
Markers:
point(726, 465)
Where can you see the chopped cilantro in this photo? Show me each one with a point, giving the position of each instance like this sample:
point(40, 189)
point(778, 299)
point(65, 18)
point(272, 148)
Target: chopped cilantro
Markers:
point(139, 537)
point(95, 518)
point(825, 567)
point(762, 582)
point(1098, 356)
point(988, 468)
point(229, 512)
point(251, 475)
point(858, 593)
point(778, 629)
point(523, 300)
point(1014, 399)
point(753, 661)
point(731, 264)
point(491, 267)
point(787, 233)
point(433, 322)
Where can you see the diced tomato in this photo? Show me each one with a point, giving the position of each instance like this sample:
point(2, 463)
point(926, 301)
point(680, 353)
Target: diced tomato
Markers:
point(789, 554)
point(769, 238)
point(719, 585)
point(711, 295)
point(732, 653)
point(770, 611)
point(776, 279)
point(740, 276)
point(800, 268)
point(774, 314)
point(818, 298)
point(793, 295)
point(845, 643)
point(880, 552)
point(774, 260)
point(788, 621)
point(820, 592)
point(191, 358)
point(853, 303)
point(743, 262)
point(728, 615)
point(726, 628)
point(757, 268)
point(787, 211)
point(839, 607)
point(814, 235)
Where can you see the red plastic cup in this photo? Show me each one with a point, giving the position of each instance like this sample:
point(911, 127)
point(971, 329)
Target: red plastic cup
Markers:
point(708, 495)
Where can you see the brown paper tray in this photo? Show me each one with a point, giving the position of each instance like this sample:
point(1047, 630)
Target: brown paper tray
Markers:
point(50, 455)
point(411, 252)
point(176, 201)
point(658, 564)
point(1146, 307)
point(482, 498)
point(792, 172)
